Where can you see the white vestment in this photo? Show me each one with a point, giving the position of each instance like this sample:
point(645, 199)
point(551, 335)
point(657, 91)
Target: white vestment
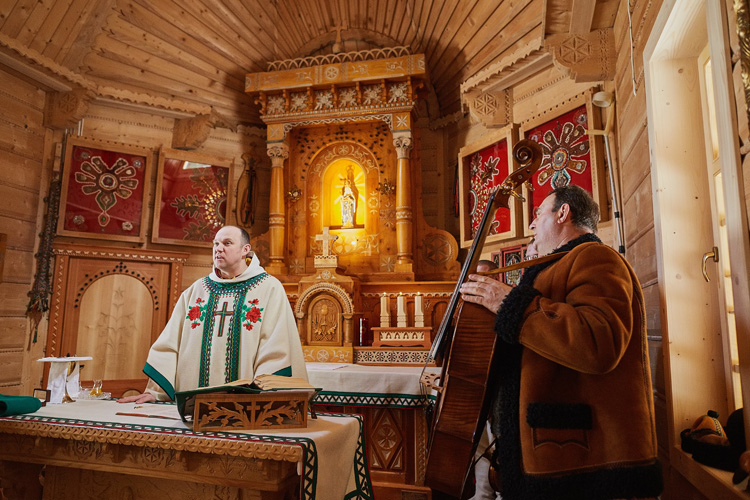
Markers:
point(222, 330)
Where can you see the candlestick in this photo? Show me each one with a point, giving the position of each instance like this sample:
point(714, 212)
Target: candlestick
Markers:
point(418, 311)
point(401, 310)
point(385, 311)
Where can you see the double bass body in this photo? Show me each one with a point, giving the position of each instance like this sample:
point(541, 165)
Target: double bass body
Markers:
point(466, 339)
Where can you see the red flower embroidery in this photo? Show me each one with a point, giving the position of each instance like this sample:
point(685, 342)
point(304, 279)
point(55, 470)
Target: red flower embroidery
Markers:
point(194, 312)
point(248, 326)
point(197, 313)
point(253, 314)
point(254, 302)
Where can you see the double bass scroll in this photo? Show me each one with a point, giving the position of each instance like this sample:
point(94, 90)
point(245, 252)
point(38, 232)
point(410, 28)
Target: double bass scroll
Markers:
point(466, 342)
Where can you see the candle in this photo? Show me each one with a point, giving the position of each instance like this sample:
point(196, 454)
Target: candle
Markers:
point(418, 311)
point(401, 310)
point(385, 311)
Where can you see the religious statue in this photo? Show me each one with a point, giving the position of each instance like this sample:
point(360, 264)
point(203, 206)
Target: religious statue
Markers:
point(349, 197)
point(324, 322)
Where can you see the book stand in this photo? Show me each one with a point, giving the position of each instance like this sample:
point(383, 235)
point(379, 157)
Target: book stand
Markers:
point(236, 412)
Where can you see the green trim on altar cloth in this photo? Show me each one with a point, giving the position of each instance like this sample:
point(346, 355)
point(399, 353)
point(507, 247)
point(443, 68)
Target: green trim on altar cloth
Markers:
point(362, 474)
point(362, 485)
point(157, 377)
point(370, 399)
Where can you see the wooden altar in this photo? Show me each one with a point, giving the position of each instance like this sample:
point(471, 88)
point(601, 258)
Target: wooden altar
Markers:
point(347, 234)
point(345, 196)
point(90, 452)
point(393, 405)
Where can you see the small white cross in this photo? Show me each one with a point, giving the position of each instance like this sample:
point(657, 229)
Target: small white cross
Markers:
point(327, 240)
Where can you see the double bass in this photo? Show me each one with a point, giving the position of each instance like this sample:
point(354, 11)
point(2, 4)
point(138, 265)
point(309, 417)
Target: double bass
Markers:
point(466, 341)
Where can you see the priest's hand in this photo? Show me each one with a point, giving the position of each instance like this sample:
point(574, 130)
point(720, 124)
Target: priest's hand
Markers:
point(146, 397)
point(485, 291)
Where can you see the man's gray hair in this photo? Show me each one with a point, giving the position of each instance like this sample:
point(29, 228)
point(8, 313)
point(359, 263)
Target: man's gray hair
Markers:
point(584, 212)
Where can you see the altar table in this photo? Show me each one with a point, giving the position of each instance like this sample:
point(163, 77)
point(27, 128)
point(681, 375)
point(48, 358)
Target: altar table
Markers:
point(392, 401)
point(90, 452)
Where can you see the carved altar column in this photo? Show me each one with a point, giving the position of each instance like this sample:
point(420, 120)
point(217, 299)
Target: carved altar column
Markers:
point(278, 152)
point(402, 141)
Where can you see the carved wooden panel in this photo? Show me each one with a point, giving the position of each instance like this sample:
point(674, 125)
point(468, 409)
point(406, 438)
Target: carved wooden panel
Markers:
point(136, 471)
point(111, 304)
point(324, 321)
point(396, 443)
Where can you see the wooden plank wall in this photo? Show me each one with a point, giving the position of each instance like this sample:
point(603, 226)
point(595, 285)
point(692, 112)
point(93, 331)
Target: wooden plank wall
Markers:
point(635, 183)
point(23, 141)
point(634, 177)
point(27, 159)
point(153, 131)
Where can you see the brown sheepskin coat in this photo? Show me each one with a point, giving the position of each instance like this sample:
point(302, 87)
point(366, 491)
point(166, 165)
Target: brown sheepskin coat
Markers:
point(575, 410)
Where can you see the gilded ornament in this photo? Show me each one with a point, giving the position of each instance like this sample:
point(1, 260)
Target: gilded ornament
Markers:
point(386, 188)
point(294, 194)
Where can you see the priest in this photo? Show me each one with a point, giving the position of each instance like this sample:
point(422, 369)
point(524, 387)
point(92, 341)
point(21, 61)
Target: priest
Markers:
point(235, 323)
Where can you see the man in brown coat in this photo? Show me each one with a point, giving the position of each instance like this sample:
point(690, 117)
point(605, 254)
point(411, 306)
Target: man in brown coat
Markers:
point(574, 411)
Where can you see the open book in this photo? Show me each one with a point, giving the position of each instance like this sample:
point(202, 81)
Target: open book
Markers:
point(261, 383)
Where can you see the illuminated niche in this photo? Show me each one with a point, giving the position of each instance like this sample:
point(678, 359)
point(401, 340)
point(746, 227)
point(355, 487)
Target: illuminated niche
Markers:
point(343, 196)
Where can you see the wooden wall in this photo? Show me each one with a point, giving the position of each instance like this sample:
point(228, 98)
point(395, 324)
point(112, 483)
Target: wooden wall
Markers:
point(631, 161)
point(27, 161)
point(153, 131)
point(537, 96)
point(24, 145)
point(634, 177)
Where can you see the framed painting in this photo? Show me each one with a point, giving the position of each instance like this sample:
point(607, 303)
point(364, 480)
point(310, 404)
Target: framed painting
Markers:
point(571, 156)
point(482, 166)
point(192, 197)
point(512, 255)
point(496, 257)
point(104, 191)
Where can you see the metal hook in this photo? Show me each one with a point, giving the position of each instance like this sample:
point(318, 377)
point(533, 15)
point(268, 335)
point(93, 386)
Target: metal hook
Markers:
point(713, 254)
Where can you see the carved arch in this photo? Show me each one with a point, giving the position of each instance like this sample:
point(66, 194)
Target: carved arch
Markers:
point(332, 289)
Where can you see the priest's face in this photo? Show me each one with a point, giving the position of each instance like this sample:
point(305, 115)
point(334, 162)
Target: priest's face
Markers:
point(229, 251)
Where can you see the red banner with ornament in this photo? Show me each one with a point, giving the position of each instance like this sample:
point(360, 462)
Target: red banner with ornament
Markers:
point(104, 192)
point(567, 156)
point(488, 168)
point(193, 202)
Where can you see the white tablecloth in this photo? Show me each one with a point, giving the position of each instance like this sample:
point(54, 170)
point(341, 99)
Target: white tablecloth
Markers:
point(364, 385)
point(333, 465)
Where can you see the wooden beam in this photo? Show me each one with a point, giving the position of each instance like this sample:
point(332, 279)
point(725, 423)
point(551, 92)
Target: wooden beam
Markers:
point(3, 245)
point(192, 133)
point(129, 34)
point(17, 17)
point(64, 110)
point(112, 69)
point(81, 39)
point(48, 27)
point(582, 16)
point(585, 58)
point(491, 38)
point(33, 22)
point(69, 28)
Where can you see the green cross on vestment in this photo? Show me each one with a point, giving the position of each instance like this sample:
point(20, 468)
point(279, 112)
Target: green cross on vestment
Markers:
point(223, 314)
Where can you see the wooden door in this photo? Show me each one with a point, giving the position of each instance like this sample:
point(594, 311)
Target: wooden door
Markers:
point(111, 304)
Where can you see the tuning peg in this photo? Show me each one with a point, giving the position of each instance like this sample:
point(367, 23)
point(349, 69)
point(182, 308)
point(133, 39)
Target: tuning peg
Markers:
point(518, 196)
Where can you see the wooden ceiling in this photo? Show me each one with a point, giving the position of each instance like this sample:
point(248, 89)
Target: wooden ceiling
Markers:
point(192, 55)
